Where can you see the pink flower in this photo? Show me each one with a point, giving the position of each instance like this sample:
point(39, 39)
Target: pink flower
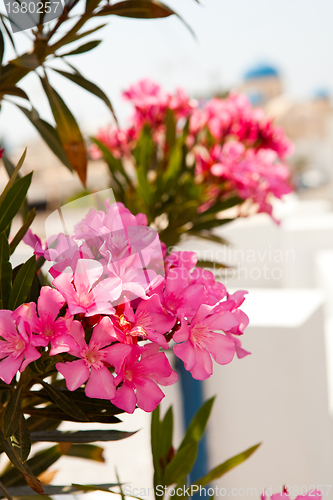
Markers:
point(199, 341)
point(148, 322)
point(142, 370)
point(312, 495)
point(45, 325)
point(34, 241)
point(94, 360)
point(81, 292)
point(16, 351)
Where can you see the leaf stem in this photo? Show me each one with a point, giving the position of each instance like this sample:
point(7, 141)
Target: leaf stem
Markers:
point(5, 492)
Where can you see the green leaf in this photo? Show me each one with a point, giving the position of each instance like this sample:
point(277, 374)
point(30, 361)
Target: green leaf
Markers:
point(170, 128)
point(22, 440)
point(5, 272)
point(13, 173)
point(39, 463)
point(87, 85)
point(29, 61)
point(48, 133)
point(166, 433)
point(68, 131)
point(221, 469)
point(87, 451)
point(22, 283)
point(22, 231)
point(67, 405)
point(52, 411)
point(115, 165)
point(210, 264)
point(84, 48)
point(181, 464)
point(79, 436)
point(2, 46)
point(198, 424)
point(13, 90)
point(24, 493)
point(140, 9)
point(224, 205)
point(25, 470)
point(12, 413)
point(13, 201)
point(155, 445)
point(89, 405)
point(144, 149)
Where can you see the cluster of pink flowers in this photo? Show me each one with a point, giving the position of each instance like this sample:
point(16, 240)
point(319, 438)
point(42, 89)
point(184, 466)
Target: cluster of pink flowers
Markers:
point(236, 149)
point(116, 303)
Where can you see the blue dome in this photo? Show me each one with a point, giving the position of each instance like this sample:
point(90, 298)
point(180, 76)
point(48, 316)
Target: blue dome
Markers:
point(261, 71)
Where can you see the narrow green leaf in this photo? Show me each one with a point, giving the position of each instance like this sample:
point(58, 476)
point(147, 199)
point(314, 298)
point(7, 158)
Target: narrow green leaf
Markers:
point(22, 231)
point(224, 205)
point(48, 133)
point(67, 405)
point(22, 442)
point(211, 264)
point(12, 413)
point(89, 405)
point(39, 463)
point(83, 48)
point(8, 31)
point(13, 90)
point(181, 464)
point(79, 436)
point(22, 283)
point(29, 61)
point(198, 424)
point(170, 128)
point(24, 493)
point(68, 131)
point(2, 46)
point(87, 85)
point(95, 487)
point(54, 412)
point(155, 431)
point(13, 175)
point(140, 9)
point(88, 451)
point(115, 164)
point(221, 469)
point(25, 470)
point(13, 201)
point(5, 272)
point(166, 434)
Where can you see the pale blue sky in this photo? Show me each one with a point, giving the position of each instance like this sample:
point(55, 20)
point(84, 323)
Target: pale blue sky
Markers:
point(294, 35)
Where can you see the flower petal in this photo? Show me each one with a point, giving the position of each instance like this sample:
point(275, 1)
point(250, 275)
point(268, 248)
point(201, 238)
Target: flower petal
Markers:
point(75, 373)
point(101, 384)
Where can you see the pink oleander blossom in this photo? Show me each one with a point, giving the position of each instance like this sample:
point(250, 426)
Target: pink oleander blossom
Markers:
point(142, 370)
point(198, 340)
point(149, 321)
point(82, 292)
point(94, 359)
point(312, 495)
point(48, 327)
point(16, 350)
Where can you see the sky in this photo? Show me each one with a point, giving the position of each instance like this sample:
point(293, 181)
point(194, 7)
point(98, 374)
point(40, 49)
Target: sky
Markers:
point(295, 36)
